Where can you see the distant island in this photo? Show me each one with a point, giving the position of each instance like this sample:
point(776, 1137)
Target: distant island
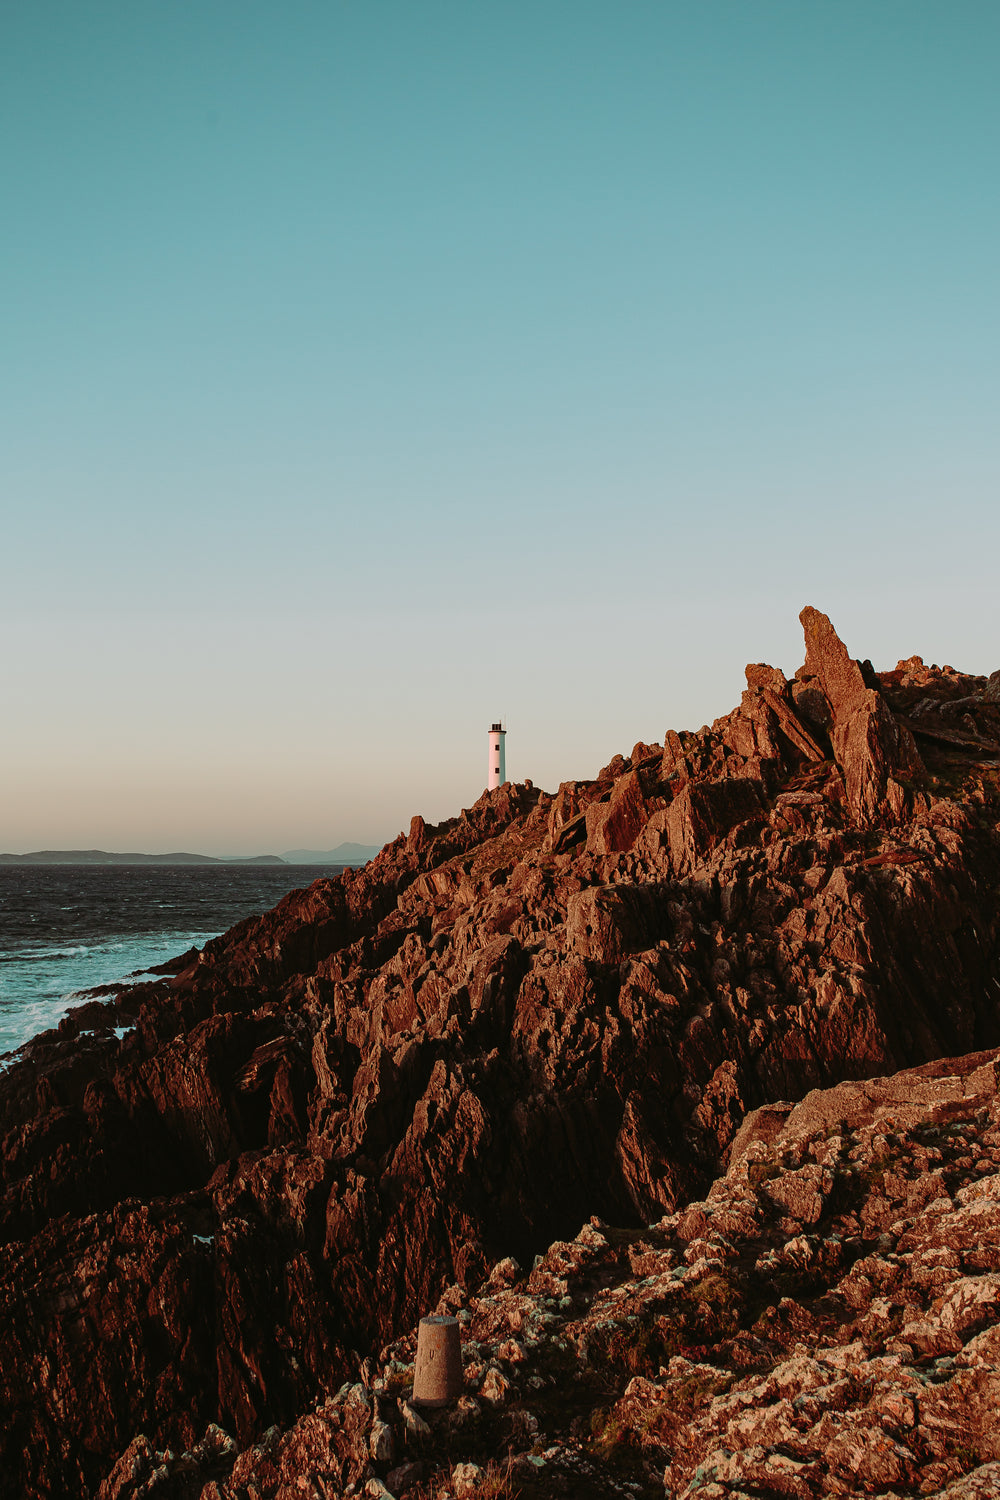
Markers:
point(344, 854)
point(103, 857)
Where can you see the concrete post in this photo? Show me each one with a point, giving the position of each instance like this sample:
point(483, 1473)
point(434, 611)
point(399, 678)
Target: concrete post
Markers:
point(437, 1377)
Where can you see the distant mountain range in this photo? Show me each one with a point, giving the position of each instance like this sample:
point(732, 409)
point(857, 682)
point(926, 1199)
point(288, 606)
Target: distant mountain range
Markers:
point(103, 857)
point(344, 854)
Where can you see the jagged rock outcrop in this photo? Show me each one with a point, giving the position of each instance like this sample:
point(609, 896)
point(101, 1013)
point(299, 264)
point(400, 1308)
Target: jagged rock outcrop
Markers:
point(544, 1009)
point(875, 752)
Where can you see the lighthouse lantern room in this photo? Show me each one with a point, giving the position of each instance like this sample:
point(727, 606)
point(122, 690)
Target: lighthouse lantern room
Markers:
point(497, 768)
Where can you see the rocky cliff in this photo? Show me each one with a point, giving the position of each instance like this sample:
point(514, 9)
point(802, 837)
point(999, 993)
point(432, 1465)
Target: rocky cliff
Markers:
point(549, 1009)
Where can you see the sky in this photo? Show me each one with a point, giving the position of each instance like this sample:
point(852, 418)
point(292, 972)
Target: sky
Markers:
point(371, 371)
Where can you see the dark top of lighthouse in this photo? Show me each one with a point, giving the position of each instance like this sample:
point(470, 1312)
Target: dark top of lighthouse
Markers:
point(496, 729)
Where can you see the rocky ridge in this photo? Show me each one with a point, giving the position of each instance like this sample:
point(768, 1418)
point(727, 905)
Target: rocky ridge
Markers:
point(547, 1009)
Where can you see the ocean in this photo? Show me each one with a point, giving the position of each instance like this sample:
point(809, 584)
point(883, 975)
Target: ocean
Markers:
point(66, 928)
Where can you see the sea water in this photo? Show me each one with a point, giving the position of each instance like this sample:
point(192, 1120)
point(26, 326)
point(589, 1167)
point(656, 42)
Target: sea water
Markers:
point(67, 928)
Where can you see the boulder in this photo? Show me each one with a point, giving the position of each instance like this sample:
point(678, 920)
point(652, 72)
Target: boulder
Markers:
point(704, 812)
point(614, 826)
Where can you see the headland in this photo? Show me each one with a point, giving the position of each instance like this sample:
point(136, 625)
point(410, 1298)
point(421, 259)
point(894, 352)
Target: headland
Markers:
point(677, 1087)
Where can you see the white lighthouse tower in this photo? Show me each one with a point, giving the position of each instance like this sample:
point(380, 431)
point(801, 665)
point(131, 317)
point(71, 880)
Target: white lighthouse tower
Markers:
point(497, 767)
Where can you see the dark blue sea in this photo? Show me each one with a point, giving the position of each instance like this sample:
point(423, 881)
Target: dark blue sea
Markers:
point(67, 928)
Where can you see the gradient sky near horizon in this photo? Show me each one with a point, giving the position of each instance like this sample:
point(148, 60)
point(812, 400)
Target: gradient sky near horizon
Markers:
point(371, 371)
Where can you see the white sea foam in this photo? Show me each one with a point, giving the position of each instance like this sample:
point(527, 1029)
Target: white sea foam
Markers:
point(69, 929)
point(38, 987)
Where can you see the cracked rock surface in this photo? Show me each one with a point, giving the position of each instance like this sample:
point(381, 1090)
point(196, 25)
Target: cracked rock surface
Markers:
point(743, 1345)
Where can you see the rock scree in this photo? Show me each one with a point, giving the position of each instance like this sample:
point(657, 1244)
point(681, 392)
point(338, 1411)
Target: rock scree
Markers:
point(398, 1088)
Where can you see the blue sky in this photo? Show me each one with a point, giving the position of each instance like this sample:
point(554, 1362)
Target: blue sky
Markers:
point(370, 371)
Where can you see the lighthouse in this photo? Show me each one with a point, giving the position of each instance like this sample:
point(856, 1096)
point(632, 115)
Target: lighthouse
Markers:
point(496, 768)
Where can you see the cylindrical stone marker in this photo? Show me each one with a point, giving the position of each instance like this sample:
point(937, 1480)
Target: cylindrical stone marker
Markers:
point(437, 1377)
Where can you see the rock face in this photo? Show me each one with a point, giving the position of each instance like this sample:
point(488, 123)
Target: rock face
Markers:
point(544, 1009)
point(825, 1322)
